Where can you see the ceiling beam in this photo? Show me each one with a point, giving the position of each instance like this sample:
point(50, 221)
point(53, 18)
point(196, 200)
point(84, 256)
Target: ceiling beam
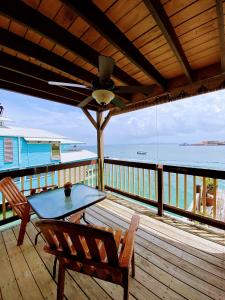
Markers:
point(17, 43)
point(15, 76)
point(162, 20)
point(23, 13)
point(22, 89)
point(40, 86)
point(31, 70)
point(220, 17)
point(98, 20)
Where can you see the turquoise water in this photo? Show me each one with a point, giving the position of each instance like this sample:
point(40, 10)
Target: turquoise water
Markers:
point(212, 157)
point(172, 154)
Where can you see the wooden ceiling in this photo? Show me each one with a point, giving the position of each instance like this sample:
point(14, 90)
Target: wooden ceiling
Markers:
point(176, 46)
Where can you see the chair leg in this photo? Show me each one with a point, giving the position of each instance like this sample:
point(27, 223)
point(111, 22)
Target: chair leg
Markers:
point(133, 265)
point(61, 280)
point(54, 268)
point(22, 232)
point(36, 237)
point(126, 286)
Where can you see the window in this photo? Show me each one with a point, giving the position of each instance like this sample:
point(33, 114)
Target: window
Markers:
point(8, 150)
point(56, 151)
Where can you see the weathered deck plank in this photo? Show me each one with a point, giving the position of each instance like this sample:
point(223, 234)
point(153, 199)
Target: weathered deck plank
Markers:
point(171, 263)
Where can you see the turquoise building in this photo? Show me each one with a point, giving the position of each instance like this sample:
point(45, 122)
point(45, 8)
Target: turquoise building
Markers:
point(28, 147)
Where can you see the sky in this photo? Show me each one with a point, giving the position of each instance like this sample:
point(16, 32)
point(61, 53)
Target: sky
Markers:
point(188, 120)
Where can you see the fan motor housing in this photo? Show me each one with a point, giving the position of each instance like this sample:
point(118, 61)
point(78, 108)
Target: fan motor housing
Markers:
point(106, 85)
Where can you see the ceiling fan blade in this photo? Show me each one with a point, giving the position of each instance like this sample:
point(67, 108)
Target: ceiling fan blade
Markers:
point(85, 102)
point(67, 84)
point(117, 101)
point(144, 89)
point(105, 69)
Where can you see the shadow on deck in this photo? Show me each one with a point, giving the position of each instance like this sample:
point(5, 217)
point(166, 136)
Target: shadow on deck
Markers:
point(172, 262)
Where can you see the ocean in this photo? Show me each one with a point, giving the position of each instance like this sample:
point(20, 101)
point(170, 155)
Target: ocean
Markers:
point(212, 157)
point(208, 157)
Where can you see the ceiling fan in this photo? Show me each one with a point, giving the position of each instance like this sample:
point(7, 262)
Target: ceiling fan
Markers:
point(103, 89)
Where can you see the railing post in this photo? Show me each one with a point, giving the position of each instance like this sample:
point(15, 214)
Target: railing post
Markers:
point(160, 189)
point(100, 151)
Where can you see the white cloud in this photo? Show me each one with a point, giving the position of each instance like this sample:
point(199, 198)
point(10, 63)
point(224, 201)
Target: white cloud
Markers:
point(193, 119)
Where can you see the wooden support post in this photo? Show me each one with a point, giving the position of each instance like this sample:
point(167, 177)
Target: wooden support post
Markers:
point(100, 145)
point(160, 189)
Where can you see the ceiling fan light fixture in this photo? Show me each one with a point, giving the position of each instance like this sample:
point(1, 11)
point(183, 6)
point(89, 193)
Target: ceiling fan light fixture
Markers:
point(103, 96)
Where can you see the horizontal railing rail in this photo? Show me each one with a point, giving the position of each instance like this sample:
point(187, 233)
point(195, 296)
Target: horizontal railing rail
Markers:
point(183, 191)
point(39, 179)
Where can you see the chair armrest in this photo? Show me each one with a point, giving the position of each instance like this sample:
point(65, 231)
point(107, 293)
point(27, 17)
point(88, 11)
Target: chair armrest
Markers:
point(128, 242)
point(19, 204)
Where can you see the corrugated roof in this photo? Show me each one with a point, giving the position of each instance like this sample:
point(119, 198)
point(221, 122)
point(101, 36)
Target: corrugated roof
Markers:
point(77, 156)
point(35, 135)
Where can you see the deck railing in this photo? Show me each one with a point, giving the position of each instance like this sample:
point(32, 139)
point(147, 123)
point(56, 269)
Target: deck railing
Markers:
point(36, 180)
point(178, 190)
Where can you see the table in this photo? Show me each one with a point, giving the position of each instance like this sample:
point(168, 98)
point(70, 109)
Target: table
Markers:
point(54, 205)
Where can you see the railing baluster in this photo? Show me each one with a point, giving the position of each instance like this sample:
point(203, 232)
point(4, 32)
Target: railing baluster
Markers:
point(124, 177)
point(74, 175)
point(149, 183)
point(177, 190)
point(112, 182)
point(194, 194)
point(128, 179)
point(117, 170)
point(156, 194)
point(39, 182)
point(64, 176)
point(214, 195)
point(204, 196)
point(185, 191)
point(84, 174)
point(31, 182)
point(22, 184)
point(138, 170)
point(121, 178)
point(92, 175)
point(96, 175)
point(46, 179)
point(79, 174)
point(59, 179)
point(53, 178)
point(133, 180)
point(70, 175)
point(169, 188)
point(143, 183)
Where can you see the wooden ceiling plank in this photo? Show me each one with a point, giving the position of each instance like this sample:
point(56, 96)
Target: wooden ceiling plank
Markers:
point(38, 22)
point(168, 31)
point(11, 40)
point(220, 17)
point(97, 19)
point(24, 67)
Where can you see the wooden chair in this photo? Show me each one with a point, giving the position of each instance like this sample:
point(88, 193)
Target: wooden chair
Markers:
point(98, 252)
point(19, 204)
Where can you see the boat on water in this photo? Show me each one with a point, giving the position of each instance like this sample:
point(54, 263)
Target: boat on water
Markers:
point(141, 152)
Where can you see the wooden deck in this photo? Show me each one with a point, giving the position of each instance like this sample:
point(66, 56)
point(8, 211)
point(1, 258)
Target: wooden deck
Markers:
point(171, 263)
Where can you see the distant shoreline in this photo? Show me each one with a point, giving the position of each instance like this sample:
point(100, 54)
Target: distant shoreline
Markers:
point(205, 143)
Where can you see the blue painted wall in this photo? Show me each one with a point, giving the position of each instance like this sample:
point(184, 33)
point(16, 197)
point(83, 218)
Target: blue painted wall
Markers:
point(31, 155)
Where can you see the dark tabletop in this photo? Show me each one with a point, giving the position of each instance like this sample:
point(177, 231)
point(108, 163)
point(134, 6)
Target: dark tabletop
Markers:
point(54, 205)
